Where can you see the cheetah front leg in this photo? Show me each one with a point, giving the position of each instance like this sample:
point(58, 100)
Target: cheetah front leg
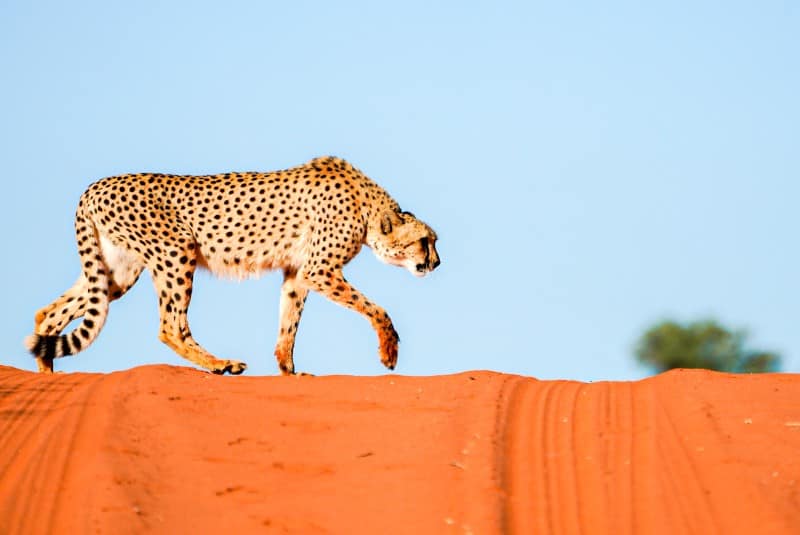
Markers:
point(333, 285)
point(293, 298)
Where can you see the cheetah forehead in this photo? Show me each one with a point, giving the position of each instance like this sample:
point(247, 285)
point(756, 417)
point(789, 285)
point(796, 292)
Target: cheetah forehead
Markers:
point(412, 221)
point(414, 230)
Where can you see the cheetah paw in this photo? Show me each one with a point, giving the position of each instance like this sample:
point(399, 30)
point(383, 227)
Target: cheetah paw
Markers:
point(233, 367)
point(389, 358)
point(388, 349)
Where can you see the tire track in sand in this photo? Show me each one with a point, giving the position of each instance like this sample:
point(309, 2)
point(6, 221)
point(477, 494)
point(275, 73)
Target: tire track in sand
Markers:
point(598, 458)
point(41, 419)
point(478, 452)
point(537, 463)
point(29, 448)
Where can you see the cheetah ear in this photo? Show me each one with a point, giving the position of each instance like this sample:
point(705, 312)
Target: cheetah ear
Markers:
point(386, 223)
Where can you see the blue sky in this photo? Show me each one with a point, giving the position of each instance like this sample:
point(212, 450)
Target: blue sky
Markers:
point(590, 168)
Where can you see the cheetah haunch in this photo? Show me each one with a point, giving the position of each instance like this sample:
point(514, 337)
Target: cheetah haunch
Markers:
point(308, 221)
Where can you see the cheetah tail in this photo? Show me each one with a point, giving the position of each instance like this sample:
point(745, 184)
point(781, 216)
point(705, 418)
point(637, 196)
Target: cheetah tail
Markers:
point(96, 272)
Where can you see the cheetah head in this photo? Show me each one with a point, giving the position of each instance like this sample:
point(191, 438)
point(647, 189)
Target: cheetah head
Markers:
point(405, 241)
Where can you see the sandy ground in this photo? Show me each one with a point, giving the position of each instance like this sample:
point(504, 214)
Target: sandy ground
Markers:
point(161, 449)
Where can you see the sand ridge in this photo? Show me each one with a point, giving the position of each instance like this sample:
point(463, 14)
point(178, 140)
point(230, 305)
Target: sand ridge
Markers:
point(160, 449)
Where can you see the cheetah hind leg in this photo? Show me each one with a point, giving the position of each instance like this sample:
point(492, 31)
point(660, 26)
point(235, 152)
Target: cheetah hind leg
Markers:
point(174, 329)
point(175, 333)
point(184, 345)
point(52, 319)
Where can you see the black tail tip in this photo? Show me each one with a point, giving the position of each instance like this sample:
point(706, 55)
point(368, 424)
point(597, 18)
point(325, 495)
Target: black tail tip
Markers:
point(44, 346)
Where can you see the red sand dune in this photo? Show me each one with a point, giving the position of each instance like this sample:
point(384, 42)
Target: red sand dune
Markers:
point(174, 450)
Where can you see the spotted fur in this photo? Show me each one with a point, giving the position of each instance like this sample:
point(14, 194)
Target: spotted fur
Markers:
point(308, 221)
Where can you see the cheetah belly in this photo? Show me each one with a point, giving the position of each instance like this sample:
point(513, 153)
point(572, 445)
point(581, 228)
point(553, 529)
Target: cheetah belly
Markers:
point(240, 265)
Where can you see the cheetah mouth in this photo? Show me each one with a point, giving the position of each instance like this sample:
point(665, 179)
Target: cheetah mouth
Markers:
point(424, 269)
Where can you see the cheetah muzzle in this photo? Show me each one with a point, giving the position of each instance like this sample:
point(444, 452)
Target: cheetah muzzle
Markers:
point(308, 221)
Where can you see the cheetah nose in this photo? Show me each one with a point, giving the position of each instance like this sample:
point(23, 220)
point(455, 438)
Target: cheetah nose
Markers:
point(436, 263)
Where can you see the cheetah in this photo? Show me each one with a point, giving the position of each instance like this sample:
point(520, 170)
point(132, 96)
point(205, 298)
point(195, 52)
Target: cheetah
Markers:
point(308, 221)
